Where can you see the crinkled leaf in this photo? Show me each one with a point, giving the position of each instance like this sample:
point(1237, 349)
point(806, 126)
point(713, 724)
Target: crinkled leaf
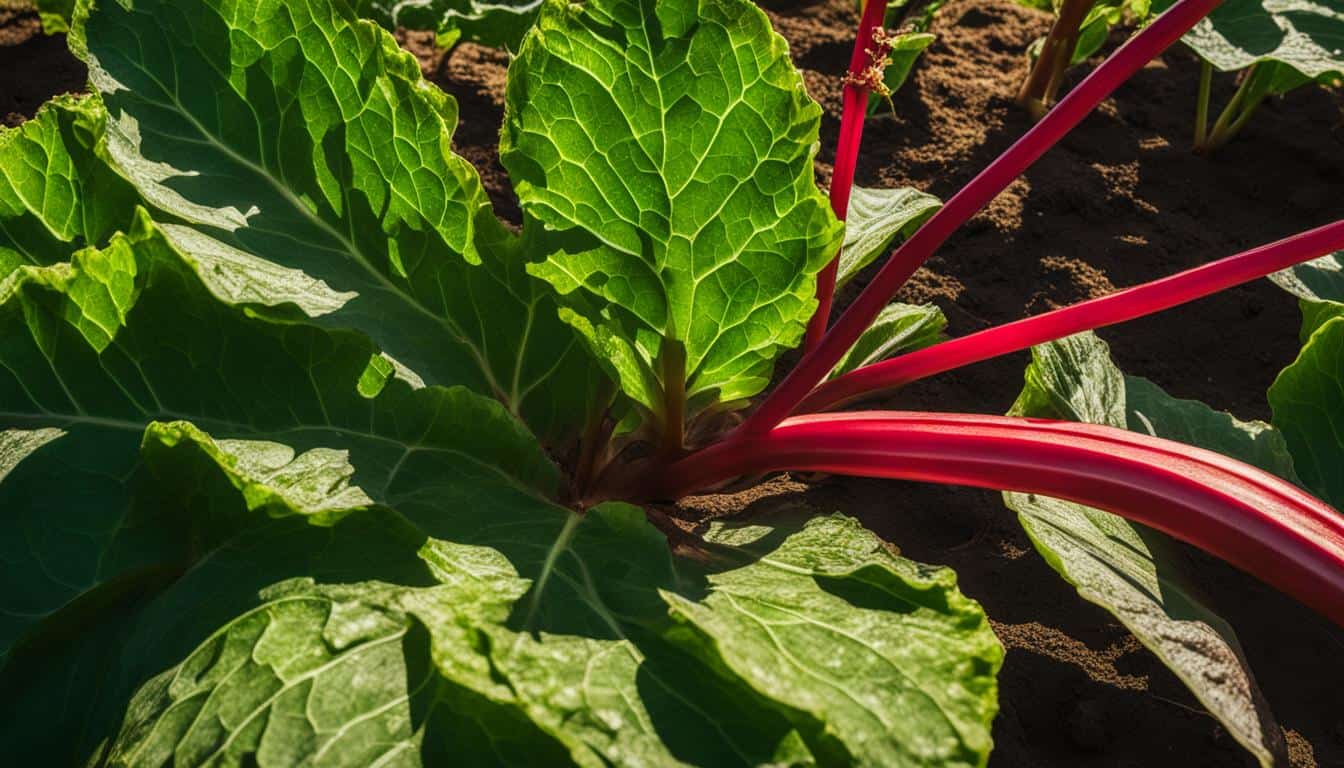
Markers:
point(876, 659)
point(877, 217)
point(499, 23)
point(184, 356)
point(898, 329)
point(294, 474)
point(1308, 402)
point(672, 145)
point(1129, 570)
point(1319, 286)
point(312, 171)
point(57, 195)
point(1305, 35)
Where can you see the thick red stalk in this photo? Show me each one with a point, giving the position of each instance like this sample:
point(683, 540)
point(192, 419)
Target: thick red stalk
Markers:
point(853, 111)
point(1117, 307)
point(1127, 60)
point(1258, 522)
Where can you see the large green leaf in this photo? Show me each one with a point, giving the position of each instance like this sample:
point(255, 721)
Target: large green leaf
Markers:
point(1130, 570)
point(169, 536)
point(501, 23)
point(73, 408)
point(1308, 402)
point(311, 169)
point(1319, 286)
point(1305, 35)
point(669, 145)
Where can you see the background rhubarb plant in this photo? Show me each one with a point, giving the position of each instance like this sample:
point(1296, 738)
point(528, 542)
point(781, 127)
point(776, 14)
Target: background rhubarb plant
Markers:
point(1273, 45)
point(1080, 29)
point(306, 459)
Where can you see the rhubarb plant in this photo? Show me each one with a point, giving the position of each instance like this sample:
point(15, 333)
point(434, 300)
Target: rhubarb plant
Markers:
point(1079, 30)
point(306, 459)
point(1274, 46)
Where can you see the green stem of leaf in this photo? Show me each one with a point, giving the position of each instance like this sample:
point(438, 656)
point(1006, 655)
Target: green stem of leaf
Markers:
point(672, 364)
point(1202, 104)
point(1236, 113)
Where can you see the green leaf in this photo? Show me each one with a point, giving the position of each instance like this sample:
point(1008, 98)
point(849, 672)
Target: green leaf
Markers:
point(1305, 35)
point(499, 23)
point(193, 534)
point(184, 356)
point(672, 147)
point(1308, 405)
point(57, 195)
point(1130, 570)
point(876, 218)
point(898, 329)
point(1319, 286)
point(876, 659)
point(312, 173)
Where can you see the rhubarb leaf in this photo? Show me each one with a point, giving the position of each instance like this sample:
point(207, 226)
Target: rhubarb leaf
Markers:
point(898, 329)
point(1305, 35)
point(1131, 571)
point(1319, 286)
point(877, 660)
point(877, 217)
point(218, 572)
point(57, 194)
point(312, 173)
point(1308, 404)
point(498, 23)
point(672, 147)
point(183, 356)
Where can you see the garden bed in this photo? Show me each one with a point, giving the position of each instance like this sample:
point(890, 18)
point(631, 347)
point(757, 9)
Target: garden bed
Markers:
point(1077, 689)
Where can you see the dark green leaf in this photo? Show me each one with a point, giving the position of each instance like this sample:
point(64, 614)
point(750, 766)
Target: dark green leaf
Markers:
point(1130, 570)
point(1319, 287)
point(1308, 404)
point(1306, 35)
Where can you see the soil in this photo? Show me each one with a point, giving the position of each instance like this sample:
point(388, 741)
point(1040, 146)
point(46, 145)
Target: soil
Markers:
point(1121, 200)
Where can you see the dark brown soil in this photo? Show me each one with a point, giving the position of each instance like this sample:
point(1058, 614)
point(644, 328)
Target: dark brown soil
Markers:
point(1120, 201)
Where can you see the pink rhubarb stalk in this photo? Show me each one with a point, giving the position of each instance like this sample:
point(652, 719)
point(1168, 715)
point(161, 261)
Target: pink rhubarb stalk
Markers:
point(1117, 307)
point(1253, 520)
point(853, 111)
point(1127, 60)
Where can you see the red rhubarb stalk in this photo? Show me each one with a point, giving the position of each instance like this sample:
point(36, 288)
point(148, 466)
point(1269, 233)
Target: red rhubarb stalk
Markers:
point(1117, 307)
point(1253, 520)
point(1126, 60)
point(853, 111)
